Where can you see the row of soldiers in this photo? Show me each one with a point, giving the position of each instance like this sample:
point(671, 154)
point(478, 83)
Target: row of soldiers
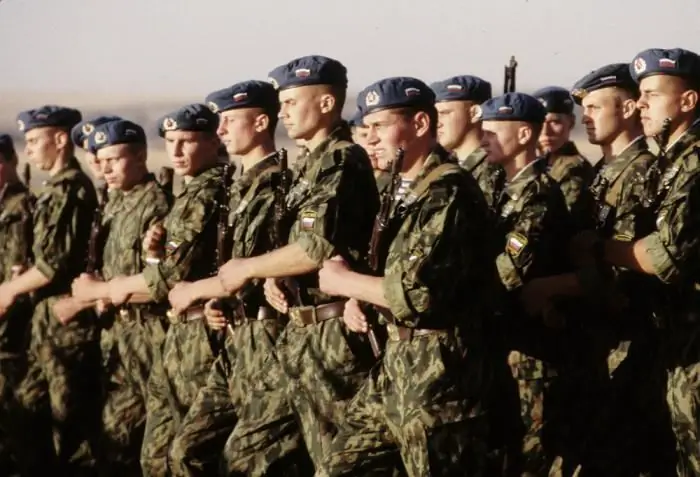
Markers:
point(441, 286)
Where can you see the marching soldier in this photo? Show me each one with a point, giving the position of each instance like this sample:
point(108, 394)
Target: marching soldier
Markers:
point(535, 227)
point(566, 165)
point(16, 207)
point(119, 147)
point(332, 203)
point(459, 130)
point(233, 419)
point(668, 104)
point(423, 404)
point(57, 413)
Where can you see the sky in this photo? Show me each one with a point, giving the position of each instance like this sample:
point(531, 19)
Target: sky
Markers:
point(178, 48)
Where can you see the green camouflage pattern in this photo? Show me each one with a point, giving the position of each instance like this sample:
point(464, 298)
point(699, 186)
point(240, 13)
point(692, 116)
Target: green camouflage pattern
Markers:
point(574, 175)
point(422, 406)
point(136, 330)
point(56, 412)
point(333, 202)
point(490, 177)
point(180, 368)
point(242, 409)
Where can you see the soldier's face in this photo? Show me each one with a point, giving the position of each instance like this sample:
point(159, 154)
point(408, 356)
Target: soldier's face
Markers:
point(301, 111)
point(602, 115)
point(93, 165)
point(501, 140)
point(190, 151)
point(41, 147)
point(387, 131)
point(359, 136)
point(660, 98)
point(555, 131)
point(453, 124)
point(237, 130)
point(121, 165)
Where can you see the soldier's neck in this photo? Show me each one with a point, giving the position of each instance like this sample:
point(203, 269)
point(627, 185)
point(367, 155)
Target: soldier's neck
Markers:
point(415, 158)
point(683, 125)
point(471, 143)
point(618, 145)
point(518, 163)
point(320, 135)
point(257, 155)
point(59, 164)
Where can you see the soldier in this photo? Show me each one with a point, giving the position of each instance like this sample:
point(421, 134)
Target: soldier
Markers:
point(16, 206)
point(535, 227)
point(180, 368)
point(120, 151)
point(668, 104)
point(56, 412)
point(608, 96)
point(566, 165)
point(80, 134)
point(459, 130)
point(233, 402)
point(332, 204)
point(359, 137)
point(430, 413)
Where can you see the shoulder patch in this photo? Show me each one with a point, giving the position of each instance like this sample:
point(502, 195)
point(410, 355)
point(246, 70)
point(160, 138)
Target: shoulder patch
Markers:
point(516, 244)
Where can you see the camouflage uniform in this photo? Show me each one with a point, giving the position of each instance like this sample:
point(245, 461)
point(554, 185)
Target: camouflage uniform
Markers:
point(673, 249)
point(244, 394)
point(333, 203)
point(536, 228)
point(58, 406)
point(182, 365)
point(16, 206)
point(574, 174)
point(422, 404)
point(490, 177)
point(138, 330)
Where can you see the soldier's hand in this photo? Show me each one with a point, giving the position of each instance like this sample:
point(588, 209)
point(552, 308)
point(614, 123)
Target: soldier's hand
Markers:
point(7, 298)
point(214, 315)
point(153, 241)
point(17, 270)
point(331, 277)
point(65, 309)
point(118, 293)
point(275, 296)
point(354, 318)
point(233, 275)
point(101, 306)
point(82, 287)
point(181, 297)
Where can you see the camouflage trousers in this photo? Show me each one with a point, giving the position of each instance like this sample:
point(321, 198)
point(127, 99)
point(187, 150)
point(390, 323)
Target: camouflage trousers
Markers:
point(54, 418)
point(180, 368)
point(129, 360)
point(325, 366)
point(240, 422)
point(415, 415)
point(683, 398)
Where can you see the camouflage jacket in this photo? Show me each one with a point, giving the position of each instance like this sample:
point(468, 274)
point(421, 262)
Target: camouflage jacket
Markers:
point(383, 181)
point(333, 201)
point(251, 219)
point(16, 208)
point(535, 227)
point(674, 245)
point(574, 175)
point(440, 251)
point(127, 217)
point(190, 252)
point(490, 177)
point(62, 221)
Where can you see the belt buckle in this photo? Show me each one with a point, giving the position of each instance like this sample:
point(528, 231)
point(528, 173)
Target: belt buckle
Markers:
point(297, 315)
point(393, 332)
point(173, 318)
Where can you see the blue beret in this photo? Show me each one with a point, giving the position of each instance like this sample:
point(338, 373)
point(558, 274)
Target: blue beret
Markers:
point(193, 117)
point(111, 133)
point(674, 62)
point(555, 99)
point(83, 129)
point(50, 115)
point(396, 92)
point(309, 70)
point(513, 107)
point(248, 94)
point(7, 147)
point(462, 88)
point(608, 76)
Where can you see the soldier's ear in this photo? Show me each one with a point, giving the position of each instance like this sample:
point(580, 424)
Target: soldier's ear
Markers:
point(689, 101)
point(421, 123)
point(327, 103)
point(61, 139)
point(629, 108)
point(526, 134)
point(261, 123)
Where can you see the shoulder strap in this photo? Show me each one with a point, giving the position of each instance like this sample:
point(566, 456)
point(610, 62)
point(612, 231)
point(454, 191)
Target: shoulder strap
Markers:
point(422, 186)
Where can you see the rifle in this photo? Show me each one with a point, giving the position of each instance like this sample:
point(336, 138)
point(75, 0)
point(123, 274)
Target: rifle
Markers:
point(509, 76)
point(381, 223)
point(652, 197)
